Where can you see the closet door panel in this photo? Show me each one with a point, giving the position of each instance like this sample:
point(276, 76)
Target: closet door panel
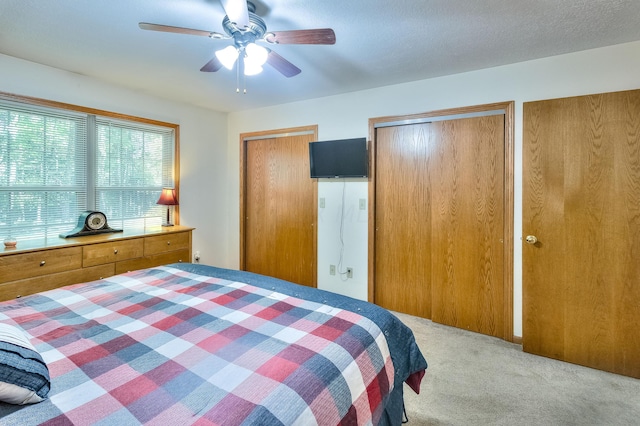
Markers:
point(467, 217)
point(261, 208)
point(403, 219)
point(280, 205)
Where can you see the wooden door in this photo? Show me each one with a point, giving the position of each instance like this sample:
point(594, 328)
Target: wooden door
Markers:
point(439, 221)
point(279, 214)
point(581, 200)
point(467, 224)
point(403, 219)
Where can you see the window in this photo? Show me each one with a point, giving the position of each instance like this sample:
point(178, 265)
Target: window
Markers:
point(56, 163)
point(133, 163)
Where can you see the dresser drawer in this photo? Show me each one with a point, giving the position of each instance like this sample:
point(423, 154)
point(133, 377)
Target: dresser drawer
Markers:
point(113, 251)
point(155, 260)
point(27, 265)
point(28, 286)
point(166, 243)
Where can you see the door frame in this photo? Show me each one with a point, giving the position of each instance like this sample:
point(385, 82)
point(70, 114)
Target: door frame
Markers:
point(508, 231)
point(265, 134)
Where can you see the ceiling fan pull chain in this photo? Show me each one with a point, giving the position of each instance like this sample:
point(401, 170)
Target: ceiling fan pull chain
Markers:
point(238, 77)
point(243, 54)
point(244, 83)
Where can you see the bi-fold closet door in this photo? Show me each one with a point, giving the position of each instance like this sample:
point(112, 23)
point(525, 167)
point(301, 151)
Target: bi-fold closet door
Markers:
point(441, 218)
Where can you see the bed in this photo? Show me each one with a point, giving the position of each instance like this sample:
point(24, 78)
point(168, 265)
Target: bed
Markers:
point(190, 344)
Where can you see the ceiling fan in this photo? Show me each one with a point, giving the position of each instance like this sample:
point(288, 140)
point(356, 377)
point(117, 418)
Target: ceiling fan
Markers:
point(245, 28)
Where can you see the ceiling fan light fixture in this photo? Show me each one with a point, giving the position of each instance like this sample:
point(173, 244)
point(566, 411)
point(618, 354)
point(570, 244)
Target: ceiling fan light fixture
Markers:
point(251, 68)
point(244, 27)
point(256, 55)
point(227, 56)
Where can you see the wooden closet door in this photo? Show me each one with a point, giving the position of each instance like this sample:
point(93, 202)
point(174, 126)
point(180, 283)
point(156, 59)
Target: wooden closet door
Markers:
point(280, 209)
point(439, 221)
point(467, 223)
point(403, 219)
point(581, 200)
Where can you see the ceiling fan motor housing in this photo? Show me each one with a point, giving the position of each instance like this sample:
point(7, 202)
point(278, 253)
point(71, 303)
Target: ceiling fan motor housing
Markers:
point(252, 32)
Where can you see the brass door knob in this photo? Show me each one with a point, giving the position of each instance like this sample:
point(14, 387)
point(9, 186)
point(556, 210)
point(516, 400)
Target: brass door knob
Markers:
point(531, 239)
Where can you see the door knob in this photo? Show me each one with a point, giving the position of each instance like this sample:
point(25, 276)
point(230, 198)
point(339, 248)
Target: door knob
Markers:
point(531, 239)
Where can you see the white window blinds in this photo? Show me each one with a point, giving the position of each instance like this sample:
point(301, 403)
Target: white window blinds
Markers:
point(55, 163)
point(133, 163)
point(42, 170)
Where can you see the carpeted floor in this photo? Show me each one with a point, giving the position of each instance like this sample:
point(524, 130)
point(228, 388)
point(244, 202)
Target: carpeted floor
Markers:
point(475, 379)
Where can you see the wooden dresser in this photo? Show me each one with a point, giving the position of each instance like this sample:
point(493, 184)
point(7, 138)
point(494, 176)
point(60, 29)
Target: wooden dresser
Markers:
point(36, 266)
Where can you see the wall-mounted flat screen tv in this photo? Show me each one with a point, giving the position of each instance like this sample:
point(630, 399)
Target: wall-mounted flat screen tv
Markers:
point(343, 158)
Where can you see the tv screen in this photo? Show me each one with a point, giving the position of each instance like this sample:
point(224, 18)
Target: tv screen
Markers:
point(339, 158)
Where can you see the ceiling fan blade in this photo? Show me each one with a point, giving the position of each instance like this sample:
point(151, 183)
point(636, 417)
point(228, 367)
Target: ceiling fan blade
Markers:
point(212, 66)
point(285, 67)
point(317, 36)
point(179, 30)
point(237, 12)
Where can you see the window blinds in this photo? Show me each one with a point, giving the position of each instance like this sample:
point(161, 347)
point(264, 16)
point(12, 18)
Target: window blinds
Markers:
point(55, 163)
point(133, 162)
point(42, 170)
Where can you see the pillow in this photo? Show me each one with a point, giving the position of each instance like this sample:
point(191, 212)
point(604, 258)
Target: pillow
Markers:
point(24, 376)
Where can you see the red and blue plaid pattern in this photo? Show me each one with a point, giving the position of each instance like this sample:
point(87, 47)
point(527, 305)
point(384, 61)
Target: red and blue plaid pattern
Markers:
point(169, 347)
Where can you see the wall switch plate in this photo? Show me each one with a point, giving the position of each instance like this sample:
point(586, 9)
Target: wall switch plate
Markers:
point(332, 269)
point(363, 204)
point(322, 203)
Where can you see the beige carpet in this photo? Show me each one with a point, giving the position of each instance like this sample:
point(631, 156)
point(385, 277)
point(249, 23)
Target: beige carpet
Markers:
point(474, 379)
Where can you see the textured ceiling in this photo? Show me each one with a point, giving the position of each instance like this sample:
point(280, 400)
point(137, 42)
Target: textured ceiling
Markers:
point(378, 42)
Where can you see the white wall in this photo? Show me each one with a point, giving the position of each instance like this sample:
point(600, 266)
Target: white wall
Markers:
point(345, 116)
point(348, 242)
point(203, 142)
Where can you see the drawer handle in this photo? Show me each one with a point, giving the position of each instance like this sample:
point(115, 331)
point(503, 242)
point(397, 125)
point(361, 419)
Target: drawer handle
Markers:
point(168, 243)
point(42, 262)
point(115, 251)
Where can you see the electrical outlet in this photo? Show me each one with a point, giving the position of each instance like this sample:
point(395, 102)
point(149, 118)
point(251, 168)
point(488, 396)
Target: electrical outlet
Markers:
point(322, 202)
point(196, 256)
point(349, 272)
point(332, 269)
point(363, 204)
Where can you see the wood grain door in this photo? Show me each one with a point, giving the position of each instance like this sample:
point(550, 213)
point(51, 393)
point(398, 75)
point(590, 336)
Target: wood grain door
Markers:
point(581, 200)
point(467, 224)
point(403, 219)
point(279, 214)
point(439, 221)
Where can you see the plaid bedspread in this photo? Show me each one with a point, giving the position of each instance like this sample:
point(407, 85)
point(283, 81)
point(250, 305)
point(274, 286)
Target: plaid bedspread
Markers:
point(171, 347)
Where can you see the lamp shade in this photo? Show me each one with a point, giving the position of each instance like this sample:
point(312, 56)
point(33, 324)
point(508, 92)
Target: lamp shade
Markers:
point(227, 56)
point(256, 55)
point(251, 69)
point(167, 197)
